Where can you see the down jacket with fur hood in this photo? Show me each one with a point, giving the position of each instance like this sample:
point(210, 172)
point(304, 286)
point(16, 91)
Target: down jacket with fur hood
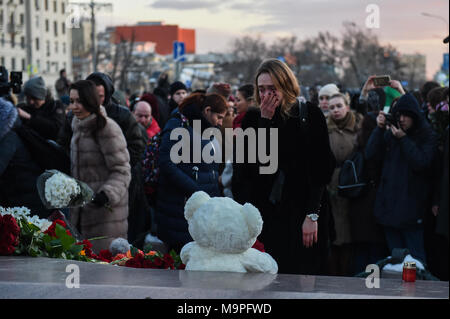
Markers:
point(102, 162)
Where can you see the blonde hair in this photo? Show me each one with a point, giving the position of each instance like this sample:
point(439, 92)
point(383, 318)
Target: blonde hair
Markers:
point(284, 81)
point(345, 97)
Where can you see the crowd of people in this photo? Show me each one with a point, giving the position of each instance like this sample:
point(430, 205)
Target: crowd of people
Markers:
point(123, 151)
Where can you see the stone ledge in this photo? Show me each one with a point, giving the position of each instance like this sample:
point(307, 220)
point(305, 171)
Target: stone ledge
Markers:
point(31, 278)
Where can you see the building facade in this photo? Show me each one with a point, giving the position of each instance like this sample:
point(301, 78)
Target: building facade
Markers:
point(163, 36)
point(35, 38)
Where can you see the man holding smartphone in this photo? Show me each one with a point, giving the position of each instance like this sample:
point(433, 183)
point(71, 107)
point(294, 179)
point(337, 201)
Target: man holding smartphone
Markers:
point(407, 153)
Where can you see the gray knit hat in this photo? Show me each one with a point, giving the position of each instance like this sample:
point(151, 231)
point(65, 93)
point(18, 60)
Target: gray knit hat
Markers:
point(35, 87)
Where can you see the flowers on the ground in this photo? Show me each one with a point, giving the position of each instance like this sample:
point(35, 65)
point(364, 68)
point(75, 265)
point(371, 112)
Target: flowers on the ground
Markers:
point(9, 234)
point(148, 259)
point(60, 189)
point(23, 212)
point(21, 235)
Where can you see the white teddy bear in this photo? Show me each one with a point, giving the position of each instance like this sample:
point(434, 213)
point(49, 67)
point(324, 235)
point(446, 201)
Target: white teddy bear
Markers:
point(224, 232)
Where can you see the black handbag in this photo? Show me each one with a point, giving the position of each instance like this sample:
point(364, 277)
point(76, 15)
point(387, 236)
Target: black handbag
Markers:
point(351, 182)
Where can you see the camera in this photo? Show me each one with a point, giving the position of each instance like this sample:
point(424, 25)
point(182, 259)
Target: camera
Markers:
point(391, 120)
point(15, 82)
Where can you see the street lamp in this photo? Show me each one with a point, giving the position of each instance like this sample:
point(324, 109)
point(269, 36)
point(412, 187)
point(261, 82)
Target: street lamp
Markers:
point(437, 17)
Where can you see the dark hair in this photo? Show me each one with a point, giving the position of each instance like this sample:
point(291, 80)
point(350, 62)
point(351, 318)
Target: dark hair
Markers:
point(418, 96)
point(61, 72)
point(247, 91)
point(427, 87)
point(216, 101)
point(90, 100)
point(436, 95)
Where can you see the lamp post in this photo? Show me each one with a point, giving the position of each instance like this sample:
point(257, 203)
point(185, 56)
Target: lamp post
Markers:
point(93, 7)
point(436, 17)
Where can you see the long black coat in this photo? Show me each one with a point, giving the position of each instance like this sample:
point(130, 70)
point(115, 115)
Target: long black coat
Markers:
point(18, 172)
point(404, 193)
point(245, 175)
point(305, 158)
point(364, 228)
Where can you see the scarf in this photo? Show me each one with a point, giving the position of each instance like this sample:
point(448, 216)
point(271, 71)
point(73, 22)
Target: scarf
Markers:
point(347, 123)
point(237, 122)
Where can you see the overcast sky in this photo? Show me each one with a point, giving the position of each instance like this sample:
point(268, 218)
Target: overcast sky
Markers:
point(218, 22)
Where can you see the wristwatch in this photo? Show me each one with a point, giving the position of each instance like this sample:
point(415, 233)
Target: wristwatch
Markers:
point(313, 217)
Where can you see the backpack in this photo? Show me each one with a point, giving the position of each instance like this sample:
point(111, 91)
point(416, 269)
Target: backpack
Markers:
point(150, 164)
point(351, 182)
point(46, 153)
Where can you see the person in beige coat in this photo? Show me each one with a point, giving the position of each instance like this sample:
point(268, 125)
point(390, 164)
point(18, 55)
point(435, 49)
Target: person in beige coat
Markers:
point(99, 157)
point(343, 126)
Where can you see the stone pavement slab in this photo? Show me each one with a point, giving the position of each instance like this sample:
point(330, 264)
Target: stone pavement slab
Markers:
point(41, 278)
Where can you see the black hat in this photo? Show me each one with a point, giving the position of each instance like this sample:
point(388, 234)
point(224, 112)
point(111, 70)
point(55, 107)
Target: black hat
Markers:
point(175, 86)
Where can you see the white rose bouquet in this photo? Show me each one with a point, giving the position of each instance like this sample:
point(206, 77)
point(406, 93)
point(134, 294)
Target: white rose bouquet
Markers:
point(58, 190)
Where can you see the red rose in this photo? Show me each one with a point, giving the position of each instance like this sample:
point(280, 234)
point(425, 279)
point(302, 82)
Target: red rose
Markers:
point(9, 224)
point(157, 262)
point(168, 261)
point(147, 263)
point(8, 238)
point(259, 246)
point(182, 266)
point(51, 230)
point(9, 234)
point(105, 255)
point(6, 250)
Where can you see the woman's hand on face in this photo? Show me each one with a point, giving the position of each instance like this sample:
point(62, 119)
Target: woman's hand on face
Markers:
point(309, 231)
point(269, 103)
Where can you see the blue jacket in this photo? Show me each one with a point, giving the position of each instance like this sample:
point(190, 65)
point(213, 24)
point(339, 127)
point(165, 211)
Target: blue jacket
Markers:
point(177, 182)
point(404, 193)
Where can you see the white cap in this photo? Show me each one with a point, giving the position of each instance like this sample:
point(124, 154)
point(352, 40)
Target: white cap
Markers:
point(329, 90)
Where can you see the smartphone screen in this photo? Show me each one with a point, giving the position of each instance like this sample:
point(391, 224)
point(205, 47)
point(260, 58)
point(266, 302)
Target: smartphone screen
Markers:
point(386, 109)
point(382, 80)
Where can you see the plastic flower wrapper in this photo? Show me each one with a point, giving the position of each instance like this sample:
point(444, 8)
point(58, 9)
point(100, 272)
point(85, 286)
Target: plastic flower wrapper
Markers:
point(58, 190)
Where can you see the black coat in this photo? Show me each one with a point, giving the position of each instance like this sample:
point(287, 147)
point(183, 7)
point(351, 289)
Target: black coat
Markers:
point(442, 218)
point(245, 175)
point(18, 172)
point(46, 120)
point(306, 159)
point(364, 228)
point(404, 193)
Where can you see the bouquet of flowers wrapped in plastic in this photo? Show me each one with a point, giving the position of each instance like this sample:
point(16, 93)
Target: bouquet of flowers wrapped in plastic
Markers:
point(58, 190)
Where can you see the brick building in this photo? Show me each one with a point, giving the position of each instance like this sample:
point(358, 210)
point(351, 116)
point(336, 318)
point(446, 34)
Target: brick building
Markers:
point(156, 32)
